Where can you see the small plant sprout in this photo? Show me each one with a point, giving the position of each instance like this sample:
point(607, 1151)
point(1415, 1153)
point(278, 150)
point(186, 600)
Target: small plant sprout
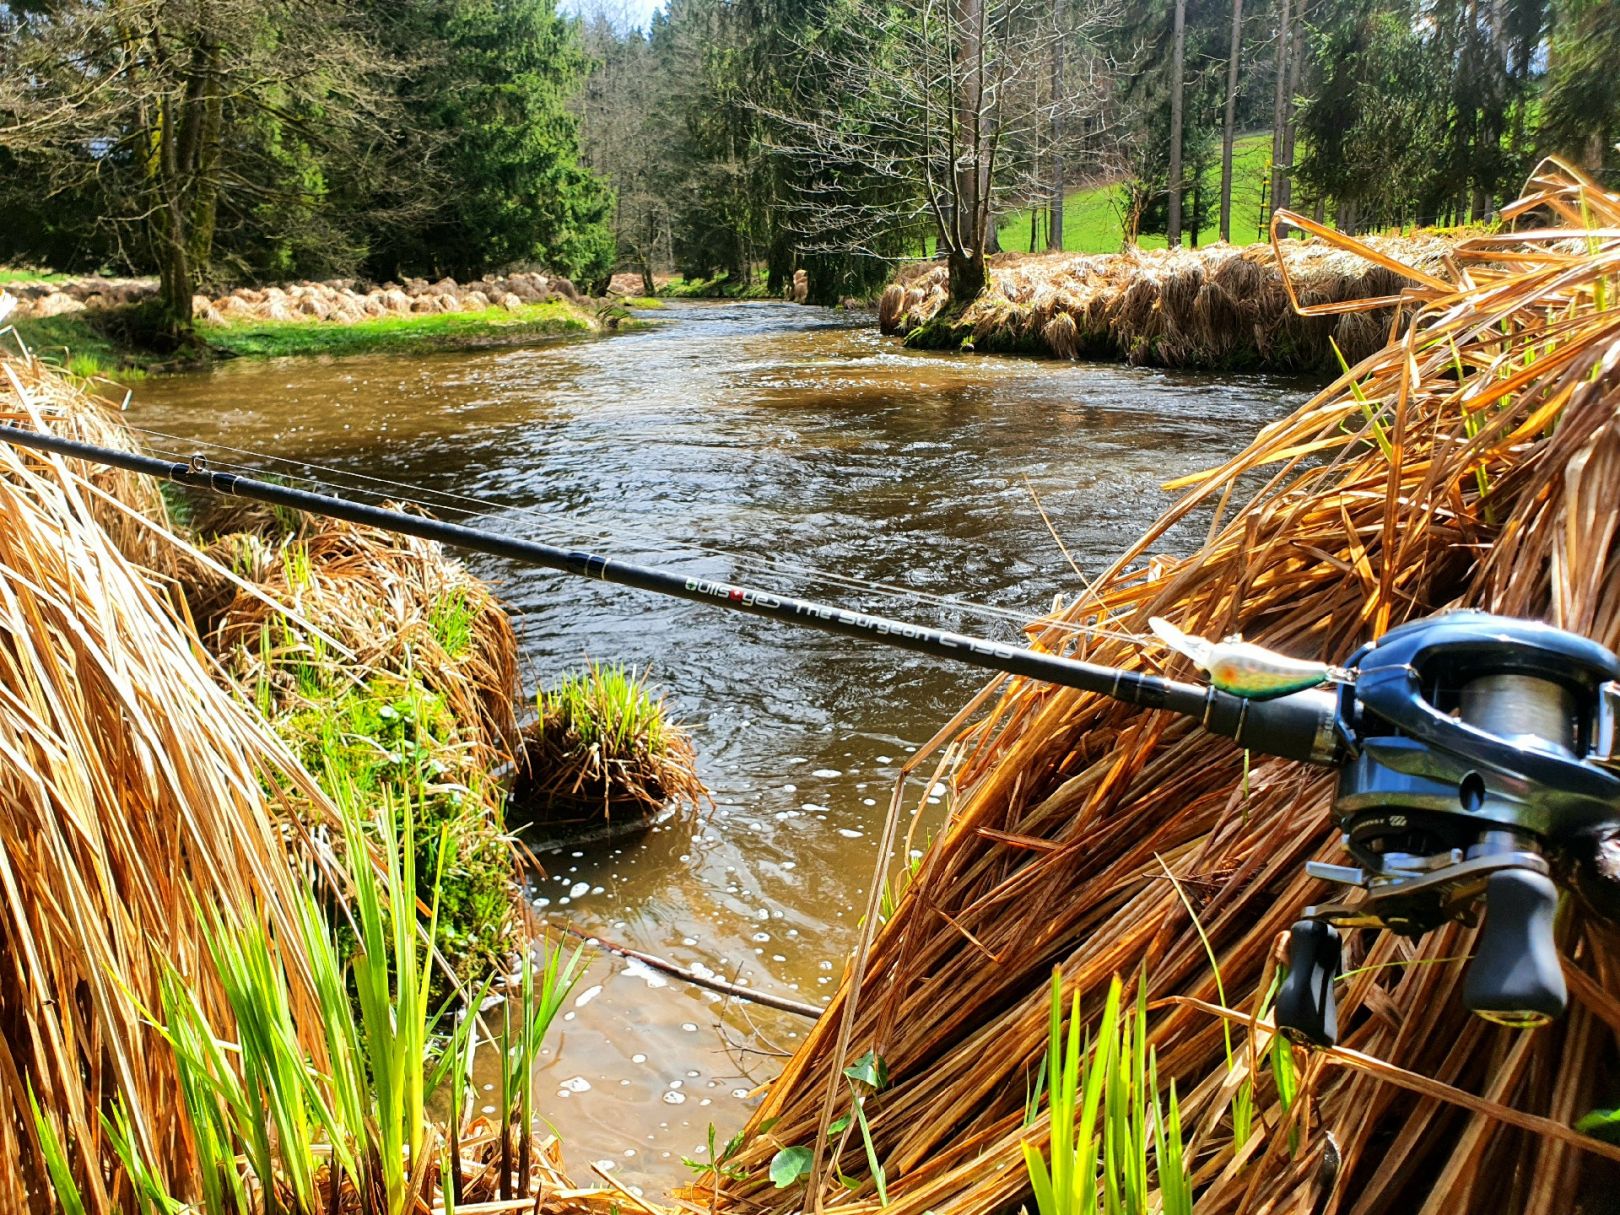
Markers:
point(867, 1075)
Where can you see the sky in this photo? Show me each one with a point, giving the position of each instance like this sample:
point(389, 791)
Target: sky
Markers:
point(624, 13)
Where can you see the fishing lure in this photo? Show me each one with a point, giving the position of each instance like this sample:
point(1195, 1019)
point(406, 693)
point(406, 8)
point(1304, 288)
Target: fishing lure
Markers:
point(1245, 669)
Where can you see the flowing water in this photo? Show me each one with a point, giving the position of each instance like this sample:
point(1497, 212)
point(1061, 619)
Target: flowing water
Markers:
point(734, 440)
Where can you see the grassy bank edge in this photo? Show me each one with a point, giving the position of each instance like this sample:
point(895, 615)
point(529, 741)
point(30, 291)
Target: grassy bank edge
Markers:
point(99, 344)
point(441, 331)
point(718, 288)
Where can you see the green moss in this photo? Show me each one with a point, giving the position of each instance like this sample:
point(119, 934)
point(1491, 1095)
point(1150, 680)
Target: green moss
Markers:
point(83, 347)
point(392, 743)
point(439, 330)
point(21, 274)
point(642, 301)
point(720, 287)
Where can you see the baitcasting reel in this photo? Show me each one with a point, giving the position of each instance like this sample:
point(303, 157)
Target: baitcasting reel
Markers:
point(1483, 762)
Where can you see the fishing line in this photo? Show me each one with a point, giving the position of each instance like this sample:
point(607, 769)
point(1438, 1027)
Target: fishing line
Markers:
point(404, 492)
point(770, 564)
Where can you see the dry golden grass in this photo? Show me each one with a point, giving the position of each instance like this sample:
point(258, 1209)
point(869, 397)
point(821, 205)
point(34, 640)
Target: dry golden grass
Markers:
point(1491, 483)
point(140, 799)
point(1219, 306)
point(129, 777)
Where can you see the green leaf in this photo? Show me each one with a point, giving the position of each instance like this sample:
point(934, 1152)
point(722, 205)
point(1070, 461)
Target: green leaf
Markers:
point(1601, 1124)
point(838, 1125)
point(870, 1070)
point(788, 1165)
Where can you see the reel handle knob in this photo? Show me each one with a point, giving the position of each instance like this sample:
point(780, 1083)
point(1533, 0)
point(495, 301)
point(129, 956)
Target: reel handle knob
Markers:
point(1306, 1008)
point(1516, 978)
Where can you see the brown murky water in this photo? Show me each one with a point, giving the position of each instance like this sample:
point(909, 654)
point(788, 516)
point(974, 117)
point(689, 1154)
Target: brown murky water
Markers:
point(732, 440)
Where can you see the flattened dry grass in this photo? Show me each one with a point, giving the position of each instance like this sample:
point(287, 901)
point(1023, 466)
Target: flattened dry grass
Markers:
point(1221, 306)
point(1472, 462)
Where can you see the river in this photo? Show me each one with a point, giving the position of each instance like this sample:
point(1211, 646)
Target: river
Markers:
point(733, 440)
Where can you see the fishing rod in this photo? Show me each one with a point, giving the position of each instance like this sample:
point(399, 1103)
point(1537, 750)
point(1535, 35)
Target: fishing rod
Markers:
point(1478, 756)
point(1298, 729)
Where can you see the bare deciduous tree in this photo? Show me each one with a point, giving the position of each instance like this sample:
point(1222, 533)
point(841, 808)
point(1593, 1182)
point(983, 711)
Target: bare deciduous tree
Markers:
point(1229, 124)
point(938, 115)
point(625, 130)
point(1178, 96)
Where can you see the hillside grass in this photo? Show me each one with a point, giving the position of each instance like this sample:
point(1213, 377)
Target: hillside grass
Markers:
point(1092, 216)
point(23, 274)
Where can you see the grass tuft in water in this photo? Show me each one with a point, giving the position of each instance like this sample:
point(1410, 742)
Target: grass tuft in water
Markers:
point(603, 746)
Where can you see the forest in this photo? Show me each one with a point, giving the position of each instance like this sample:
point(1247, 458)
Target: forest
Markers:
point(841, 136)
point(241, 141)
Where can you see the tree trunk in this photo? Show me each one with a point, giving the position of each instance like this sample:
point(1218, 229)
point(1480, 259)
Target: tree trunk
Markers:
point(1592, 157)
point(967, 276)
point(1229, 129)
point(1054, 222)
point(170, 237)
point(206, 120)
point(1277, 106)
point(1177, 96)
point(1296, 64)
point(966, 17)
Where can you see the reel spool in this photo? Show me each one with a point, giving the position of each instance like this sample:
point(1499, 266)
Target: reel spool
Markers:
point(1484, 759)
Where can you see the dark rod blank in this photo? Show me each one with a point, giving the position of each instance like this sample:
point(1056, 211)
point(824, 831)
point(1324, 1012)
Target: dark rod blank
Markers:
point(1275, 726)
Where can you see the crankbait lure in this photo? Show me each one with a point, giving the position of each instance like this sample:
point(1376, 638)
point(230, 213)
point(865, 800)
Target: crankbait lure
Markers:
point(1247, 670)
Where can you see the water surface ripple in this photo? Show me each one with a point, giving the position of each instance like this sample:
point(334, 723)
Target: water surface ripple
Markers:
point(769, 432)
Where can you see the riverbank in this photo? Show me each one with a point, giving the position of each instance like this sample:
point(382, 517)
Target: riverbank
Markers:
point(334, 706)
point(97, 326)
point(1221, 307)
point(1469, 465)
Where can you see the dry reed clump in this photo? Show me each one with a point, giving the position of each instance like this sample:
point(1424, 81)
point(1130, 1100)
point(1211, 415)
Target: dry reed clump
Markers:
point(392, 603)
point(340, 301)
point(890, 304)
point(141, 807)
point(132, 781)
point(1211, 307)
point(1478, 468)
point(386, 665)
point(129, 508)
